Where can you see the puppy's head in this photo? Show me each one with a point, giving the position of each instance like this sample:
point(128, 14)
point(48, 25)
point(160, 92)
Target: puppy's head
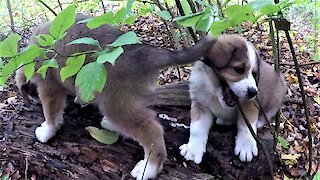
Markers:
point(236, 60)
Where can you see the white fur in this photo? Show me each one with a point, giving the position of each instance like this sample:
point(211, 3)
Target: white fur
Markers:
point(205, 90)
point(45, 132)
point(246, 145)
point(107, 124)
point(240, 88)
point(199, 130)
point(141, 173)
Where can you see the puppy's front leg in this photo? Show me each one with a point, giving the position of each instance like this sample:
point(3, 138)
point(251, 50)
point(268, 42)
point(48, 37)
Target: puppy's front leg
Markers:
point(246, 145)
point(201, 120)
point(53, 101)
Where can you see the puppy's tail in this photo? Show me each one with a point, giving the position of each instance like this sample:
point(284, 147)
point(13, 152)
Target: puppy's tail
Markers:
point(187, 55)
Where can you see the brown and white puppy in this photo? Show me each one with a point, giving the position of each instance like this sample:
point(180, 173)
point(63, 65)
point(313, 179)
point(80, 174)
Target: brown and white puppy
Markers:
point(247, 77)
point(126, 96)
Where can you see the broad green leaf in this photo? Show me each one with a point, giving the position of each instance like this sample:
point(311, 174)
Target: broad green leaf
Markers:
point(102, 135)
point(164, 15)
point(110, 57)
point(47, 64)
point(317, 176)
point(90, 80)
point(9, 46)
point(238, 13)
point(183, 18)
point(129, 7)
point(7, 70)
point(203, 3)
point(85, 21)
point(145, 9)
point(218, 27)
point(63, 21)
point(258, 4)
point(85, 40)
point(205, 21)
point(316, 57)
point(269, 9)
point(28, 70)
point(125, 39)
point(189, 20)
point(186, 7)
point(73, 65)
point(45, 40)
point(119, 16)
point(6, 177)
point(131, 19)
point(283, 142)
point(98, 21)
point(29, 54)
point(1, 63)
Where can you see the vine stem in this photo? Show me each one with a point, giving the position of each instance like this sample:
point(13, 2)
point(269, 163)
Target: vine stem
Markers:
point(48, 7)
point(304, 102)
point(257, 139)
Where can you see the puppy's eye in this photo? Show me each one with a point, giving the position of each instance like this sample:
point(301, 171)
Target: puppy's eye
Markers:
point(239, 70)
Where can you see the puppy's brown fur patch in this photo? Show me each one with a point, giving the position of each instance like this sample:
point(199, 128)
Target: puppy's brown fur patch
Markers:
point(128, 92)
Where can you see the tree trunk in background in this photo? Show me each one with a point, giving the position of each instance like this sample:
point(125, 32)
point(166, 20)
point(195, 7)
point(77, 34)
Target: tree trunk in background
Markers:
point(11, 17)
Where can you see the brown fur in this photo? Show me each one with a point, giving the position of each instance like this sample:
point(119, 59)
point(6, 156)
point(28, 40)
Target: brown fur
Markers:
point(129, 88)
point(229, 53)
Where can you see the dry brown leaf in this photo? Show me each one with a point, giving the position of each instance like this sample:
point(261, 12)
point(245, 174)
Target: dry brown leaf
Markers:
point(292, 79)
point(290, 159)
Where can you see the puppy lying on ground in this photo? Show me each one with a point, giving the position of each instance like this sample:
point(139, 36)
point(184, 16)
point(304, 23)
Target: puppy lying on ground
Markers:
point(246, 77)
point(126, 95)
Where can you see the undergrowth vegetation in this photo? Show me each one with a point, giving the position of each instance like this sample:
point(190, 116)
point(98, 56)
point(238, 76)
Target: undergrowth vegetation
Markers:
point(187, 22)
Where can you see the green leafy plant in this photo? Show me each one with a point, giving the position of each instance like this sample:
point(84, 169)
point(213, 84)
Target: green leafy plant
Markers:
point(209, 20)
point(27, 58)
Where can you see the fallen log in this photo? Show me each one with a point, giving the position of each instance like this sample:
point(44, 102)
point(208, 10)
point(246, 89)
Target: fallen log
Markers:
point(74, 154)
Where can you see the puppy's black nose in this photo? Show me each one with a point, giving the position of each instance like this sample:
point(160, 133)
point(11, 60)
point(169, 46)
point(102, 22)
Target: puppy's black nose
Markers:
point(252, 92)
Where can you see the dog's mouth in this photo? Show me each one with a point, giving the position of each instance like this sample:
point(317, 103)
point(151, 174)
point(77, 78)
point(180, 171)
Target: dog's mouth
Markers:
point(229, 97)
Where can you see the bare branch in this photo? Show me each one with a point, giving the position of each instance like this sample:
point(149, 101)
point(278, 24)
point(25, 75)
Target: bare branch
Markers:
point(48, 7)
point(11, 17)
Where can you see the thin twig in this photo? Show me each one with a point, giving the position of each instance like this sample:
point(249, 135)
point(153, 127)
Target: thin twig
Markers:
point(103, 7)
point(302, 64)
point(27, 167)
point(257, 139)
point(60, 5)
point(145, 166)
point(191, 31)
point(11, 17)
point(48, 7)
point(303, 99)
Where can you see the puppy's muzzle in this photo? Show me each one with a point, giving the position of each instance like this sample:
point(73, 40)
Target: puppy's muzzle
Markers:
point(252, 92)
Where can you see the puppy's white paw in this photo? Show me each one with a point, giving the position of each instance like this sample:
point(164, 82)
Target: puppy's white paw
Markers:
point(246, 147)
point(141, 173)
point(193, 151)
point(107, 124)
point(45, 132)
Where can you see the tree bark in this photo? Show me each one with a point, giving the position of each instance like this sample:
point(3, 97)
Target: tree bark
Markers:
point(11, 17)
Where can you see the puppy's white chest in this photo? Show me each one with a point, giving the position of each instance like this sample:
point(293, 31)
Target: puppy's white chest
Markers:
point(223, 114)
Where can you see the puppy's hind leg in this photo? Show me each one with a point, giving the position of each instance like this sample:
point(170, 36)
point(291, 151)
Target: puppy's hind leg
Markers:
point(52, 98)
point(142, 127)
point(246, 145)
point(201, 121)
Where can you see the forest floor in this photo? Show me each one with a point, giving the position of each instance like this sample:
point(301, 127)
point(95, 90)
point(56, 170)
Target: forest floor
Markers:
point(73, 153)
